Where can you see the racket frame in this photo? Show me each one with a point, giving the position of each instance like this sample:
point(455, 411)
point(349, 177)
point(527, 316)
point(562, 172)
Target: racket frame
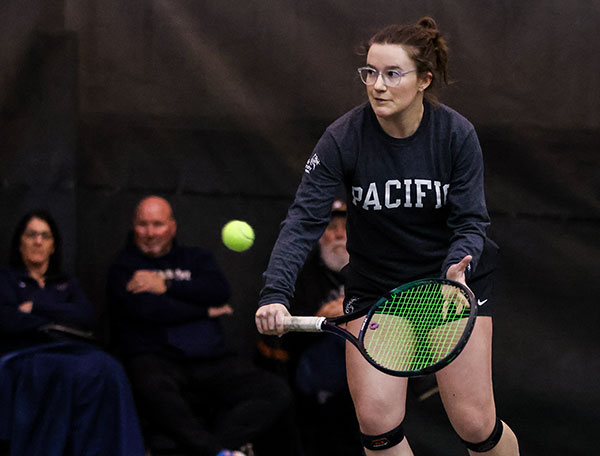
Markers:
point(331, 325)
point(443, 362)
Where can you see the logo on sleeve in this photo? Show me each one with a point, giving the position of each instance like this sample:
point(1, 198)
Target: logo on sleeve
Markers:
point(312, 163)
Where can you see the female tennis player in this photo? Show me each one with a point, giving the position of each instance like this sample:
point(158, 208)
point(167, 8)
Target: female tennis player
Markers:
point(413, 173)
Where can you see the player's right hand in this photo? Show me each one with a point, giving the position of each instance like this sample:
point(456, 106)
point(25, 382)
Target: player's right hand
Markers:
point(269, 319)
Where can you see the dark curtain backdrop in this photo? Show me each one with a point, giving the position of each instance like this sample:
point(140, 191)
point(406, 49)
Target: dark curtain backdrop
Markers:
point(217, 104)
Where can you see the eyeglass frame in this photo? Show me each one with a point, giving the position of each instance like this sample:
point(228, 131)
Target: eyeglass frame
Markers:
point(384, 77)
point(32, 234)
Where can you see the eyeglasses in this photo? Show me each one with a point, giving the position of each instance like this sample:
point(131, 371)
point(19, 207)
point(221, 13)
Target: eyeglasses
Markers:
point(391, 78)
point(32, 234)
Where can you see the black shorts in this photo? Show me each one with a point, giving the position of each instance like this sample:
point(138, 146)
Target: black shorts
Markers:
point(482, 287)
point(481, 283)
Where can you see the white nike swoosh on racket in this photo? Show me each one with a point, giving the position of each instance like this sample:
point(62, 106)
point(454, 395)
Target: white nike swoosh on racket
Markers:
point(480, 302)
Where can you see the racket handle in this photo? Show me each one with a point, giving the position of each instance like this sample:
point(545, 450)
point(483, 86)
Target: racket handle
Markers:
point(303, 324)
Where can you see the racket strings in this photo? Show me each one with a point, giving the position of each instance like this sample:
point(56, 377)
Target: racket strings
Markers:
point(411, 330)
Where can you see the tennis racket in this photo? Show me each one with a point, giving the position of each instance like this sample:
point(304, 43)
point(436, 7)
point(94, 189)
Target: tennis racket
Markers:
point(413, 330)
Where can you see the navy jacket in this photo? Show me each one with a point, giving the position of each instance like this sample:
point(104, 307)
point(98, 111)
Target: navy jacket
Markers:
point(61, 301)
point(175, 323)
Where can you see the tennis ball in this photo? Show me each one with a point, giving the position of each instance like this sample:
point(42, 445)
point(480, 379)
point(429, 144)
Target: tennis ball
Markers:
point(237, 235)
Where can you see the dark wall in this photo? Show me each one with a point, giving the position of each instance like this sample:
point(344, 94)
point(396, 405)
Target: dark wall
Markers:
point(216, 106)
point(263, 65)
point(39, 130)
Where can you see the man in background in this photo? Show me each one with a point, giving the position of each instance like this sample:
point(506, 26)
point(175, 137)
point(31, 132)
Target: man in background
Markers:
point(314, 364)
point(167, 301)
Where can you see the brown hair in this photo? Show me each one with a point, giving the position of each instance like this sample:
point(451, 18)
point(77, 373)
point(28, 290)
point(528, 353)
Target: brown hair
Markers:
point(424, 44)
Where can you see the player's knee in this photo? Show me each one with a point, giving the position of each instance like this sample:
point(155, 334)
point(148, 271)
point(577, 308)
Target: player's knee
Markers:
point(383, 441)
point(473, 422)
point(475, 442)
point(378, 415)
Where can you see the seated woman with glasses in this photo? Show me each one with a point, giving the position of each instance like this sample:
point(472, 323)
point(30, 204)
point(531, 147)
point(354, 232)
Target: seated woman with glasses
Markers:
point(60, 394)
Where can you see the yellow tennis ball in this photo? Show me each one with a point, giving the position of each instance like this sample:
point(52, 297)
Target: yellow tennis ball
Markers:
point(237, 235)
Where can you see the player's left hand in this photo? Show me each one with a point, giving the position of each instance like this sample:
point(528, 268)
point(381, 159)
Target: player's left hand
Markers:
point(144, 281)
point(456, 272)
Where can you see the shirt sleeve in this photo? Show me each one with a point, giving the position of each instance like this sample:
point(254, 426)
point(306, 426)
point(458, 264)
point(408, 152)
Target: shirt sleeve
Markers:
point(12, 320)
point(71, 307)
point(306, 220)
point(468, 218)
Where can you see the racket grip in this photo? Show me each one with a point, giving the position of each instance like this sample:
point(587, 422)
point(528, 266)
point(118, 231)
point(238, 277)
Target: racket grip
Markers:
point(303, 324)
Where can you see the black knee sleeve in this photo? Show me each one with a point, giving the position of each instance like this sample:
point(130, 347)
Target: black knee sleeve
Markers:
point(383, 441)
point(488, 443)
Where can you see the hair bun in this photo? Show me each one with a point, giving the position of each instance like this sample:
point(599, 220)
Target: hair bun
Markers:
point(428, 23)
point(430, 28)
